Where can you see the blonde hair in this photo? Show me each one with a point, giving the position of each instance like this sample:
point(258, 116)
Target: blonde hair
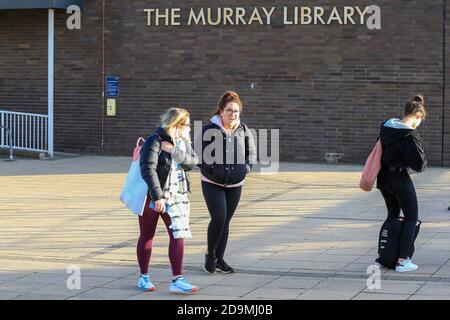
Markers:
point(174, 117)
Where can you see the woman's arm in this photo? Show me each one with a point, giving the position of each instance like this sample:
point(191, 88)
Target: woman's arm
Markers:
point(250, 149)
point(414, 154)
point(201, 142)
point(188, 159)
point(149, 162)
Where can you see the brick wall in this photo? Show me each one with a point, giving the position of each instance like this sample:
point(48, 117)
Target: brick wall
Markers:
point(446, 135)
point(77, 72)
point(327, 88)
point(23, 61)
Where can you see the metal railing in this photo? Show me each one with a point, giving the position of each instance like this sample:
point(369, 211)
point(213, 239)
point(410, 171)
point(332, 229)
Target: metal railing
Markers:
point(28, 131)
point(8, 133)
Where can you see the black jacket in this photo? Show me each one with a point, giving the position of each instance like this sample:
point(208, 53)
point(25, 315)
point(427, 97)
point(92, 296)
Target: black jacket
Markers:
point(155, 163)
point(402, 149)
point(237, 156)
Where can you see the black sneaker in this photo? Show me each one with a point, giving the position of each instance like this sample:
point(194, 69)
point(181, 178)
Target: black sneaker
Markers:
point(223, 267)
point(210, 263)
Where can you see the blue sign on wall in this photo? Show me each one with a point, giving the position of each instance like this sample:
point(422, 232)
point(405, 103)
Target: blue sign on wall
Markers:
point(112, 86)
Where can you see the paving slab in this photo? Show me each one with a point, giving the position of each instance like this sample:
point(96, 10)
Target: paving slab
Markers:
point(428, 298)
point(221, 290)
point(290, 282)
point(282, 294)
point(327, 295)
point(200, 296)
point(246, 280)
point(334, 284)
point(435, 290)
point(397, 287)
point(106, 294)
point(8, 295)
point(381, 296)
point(39, 296)
point(311, 235)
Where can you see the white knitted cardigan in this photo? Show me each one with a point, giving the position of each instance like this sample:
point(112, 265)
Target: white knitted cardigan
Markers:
point(175, 194)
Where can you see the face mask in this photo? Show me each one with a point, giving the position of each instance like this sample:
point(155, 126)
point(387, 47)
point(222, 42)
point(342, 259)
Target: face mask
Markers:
point(182, 132)
point(186, 131)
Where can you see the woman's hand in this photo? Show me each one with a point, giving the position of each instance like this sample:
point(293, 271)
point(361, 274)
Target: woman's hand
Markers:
point(160, 205)
point(187, 139)
point(167, 147)
point(186, 134)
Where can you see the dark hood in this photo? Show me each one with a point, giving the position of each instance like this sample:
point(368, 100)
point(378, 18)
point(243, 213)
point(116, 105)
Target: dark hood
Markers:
point(390, 135)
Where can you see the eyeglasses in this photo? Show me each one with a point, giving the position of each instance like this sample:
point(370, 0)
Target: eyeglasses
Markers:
point(231, 111)
point(186, 125)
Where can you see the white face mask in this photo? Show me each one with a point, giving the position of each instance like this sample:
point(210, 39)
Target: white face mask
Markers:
point(186, 131)
point(182, 132)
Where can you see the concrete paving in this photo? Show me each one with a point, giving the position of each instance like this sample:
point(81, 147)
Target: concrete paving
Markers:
point(306, 232)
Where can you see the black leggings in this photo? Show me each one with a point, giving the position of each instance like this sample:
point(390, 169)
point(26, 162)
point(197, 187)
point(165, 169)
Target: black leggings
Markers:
point(221, 202)
point(399, 194)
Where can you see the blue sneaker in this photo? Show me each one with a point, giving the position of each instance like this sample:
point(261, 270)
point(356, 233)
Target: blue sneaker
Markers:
point(145, 284)
point(181, 286)
point(409, 261)
point(406, 266)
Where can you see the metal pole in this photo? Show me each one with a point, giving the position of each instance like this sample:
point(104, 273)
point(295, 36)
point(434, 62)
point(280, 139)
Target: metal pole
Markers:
point(444, 78)
point(8, 132)
point(10, 145)
point(51, 36)
point(103, 76)
point(2, 123)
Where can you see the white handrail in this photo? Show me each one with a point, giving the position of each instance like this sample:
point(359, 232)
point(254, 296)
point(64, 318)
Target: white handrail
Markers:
point(29, 131)
point(25, 113)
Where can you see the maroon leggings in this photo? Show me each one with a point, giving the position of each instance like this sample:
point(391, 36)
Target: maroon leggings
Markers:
point(147, 225)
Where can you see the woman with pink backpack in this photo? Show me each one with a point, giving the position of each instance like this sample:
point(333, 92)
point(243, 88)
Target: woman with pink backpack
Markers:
point(165, 159)
point(402, 152)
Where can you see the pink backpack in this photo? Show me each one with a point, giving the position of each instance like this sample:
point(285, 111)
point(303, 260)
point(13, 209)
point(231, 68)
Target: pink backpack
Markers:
point(372, 168)
point(137, 150)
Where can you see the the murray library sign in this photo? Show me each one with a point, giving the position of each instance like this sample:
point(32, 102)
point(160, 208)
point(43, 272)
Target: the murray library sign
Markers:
point(228, 16)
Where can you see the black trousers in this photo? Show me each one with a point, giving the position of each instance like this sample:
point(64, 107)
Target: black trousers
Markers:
point(222, 203)
point(400, 195)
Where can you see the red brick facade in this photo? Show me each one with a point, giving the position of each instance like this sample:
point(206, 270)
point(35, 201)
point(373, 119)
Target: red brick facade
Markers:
point(326, 87)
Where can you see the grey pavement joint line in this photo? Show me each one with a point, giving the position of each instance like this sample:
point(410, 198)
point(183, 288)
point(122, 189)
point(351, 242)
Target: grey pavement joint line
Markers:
point(20, 278)
point(269, 197)
point(446, 263)
point(96, 287)
point(260, 286)
point(346, 186)
point(106, 250)
point(418, 289)
point(247, 271)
